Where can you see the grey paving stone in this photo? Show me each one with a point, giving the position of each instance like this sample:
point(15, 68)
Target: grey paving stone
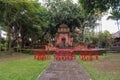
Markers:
point(65, 70)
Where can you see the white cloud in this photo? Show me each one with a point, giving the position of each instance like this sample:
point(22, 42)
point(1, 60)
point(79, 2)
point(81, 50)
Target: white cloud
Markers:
point(109, 25)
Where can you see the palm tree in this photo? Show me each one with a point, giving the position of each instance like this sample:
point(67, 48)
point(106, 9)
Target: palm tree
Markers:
point(115, 15)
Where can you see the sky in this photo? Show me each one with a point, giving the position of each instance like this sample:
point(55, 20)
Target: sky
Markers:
point(109, 25)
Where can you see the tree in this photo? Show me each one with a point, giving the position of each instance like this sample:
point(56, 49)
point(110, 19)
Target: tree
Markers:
point(23, 19)
point(67, 12)
point(2, 28)
point(104, 39)
point(0, 38)
point(115, 15)
point(97, 7)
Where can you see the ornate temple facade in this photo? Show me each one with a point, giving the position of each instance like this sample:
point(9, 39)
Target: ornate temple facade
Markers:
point(63, 37)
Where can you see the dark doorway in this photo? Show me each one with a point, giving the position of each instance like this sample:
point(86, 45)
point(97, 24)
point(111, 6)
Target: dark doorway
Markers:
point(63, 42)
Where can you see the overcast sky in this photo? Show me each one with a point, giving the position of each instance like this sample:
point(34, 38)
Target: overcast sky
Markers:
point(109, 25)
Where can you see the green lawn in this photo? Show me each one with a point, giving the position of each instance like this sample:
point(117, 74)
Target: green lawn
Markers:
point(21, 68)
point(106, 68)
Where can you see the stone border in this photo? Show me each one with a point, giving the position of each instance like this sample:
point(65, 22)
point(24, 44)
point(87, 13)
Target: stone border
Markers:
point(43, 71)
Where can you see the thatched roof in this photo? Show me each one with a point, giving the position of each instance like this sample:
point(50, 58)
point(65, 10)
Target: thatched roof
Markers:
point(63, 26)
point(116, 35)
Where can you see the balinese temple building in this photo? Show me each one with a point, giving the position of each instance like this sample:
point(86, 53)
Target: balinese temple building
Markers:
point(116, 38)
point(63, 37)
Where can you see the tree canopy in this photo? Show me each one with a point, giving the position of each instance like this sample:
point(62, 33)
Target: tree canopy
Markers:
point(24, 19)
point(97, 7)
point(66, 12)
point(30, 22)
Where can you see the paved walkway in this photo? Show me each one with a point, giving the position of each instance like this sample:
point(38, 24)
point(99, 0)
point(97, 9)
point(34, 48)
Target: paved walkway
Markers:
point(64, 70)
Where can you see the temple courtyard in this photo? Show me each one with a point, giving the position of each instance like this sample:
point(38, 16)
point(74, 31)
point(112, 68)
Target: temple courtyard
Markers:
point(24, 67)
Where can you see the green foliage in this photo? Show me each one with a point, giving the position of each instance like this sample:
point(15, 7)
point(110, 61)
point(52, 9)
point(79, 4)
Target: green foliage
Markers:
point(89, 35)
point(3, 45)
point(66, 12)
point(115, 15)
point(97, 7)
point(25, 19)
point(104, 39)
point(29, 21)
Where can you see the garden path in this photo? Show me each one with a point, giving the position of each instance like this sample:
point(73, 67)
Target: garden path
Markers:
point(64, 70)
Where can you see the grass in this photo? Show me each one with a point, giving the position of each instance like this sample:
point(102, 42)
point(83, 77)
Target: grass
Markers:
point(24, 67)
point(21, 68)
point(98, 73)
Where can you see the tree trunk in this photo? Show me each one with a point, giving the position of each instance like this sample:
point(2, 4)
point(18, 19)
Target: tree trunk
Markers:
point(0, 40)
point(118, 25)
point(9, 41)
point(82, 34)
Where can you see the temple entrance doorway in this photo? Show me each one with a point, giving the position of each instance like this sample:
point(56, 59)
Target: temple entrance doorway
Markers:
point(63, 42)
